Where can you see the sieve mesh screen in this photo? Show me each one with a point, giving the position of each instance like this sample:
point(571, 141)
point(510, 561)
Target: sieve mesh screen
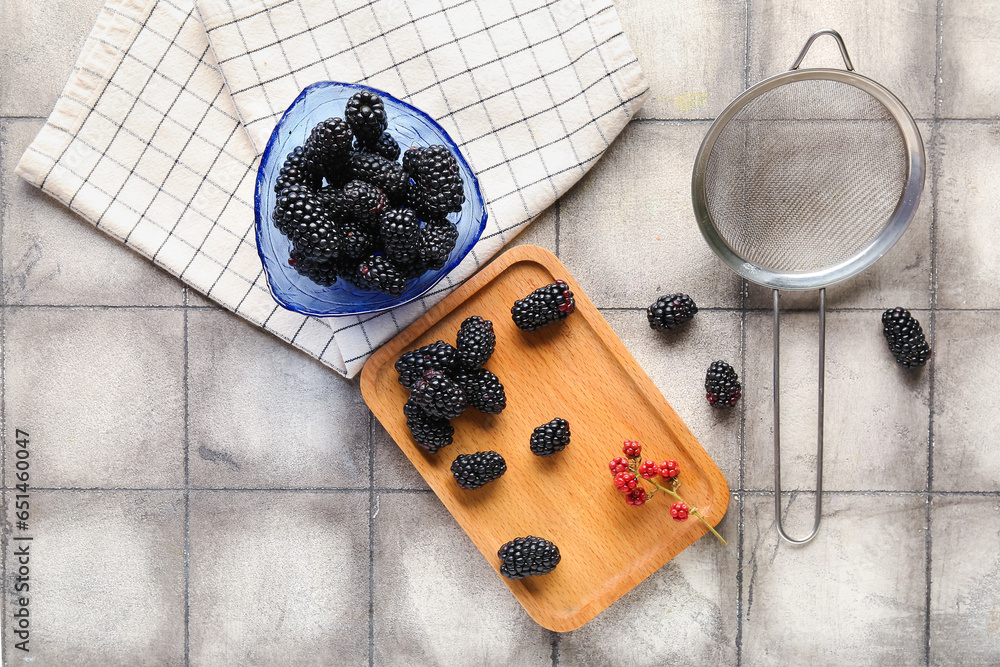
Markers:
point(805, 175)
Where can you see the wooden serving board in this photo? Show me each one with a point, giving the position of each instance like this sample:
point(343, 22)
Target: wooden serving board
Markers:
point(577, 369)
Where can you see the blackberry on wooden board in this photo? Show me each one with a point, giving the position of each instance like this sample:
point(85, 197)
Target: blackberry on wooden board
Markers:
point(550, 438)
point(483, 389)
point(528, 557)
point(473, 471)
point(475, 341)
point(544, 306)
point(438, 356)
point(439, 395)
point(431, 433)
point(905, 338)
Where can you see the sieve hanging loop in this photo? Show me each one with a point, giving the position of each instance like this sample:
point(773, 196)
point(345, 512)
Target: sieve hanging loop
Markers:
point(803, 181)
point(819, 33)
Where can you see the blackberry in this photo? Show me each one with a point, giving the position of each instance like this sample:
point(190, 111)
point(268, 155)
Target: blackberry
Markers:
point(359, 200)
point(386, 146)
point(528, 557)
point(482, 390)
point(439, 356)
point(328, 146)
point(543, 306)
point(671, 311)
point(475, 341)
point(294, 205)
point(321, 272)
point(472, 471)
point(313, 235)
point(550, 438)
point(438, 395)
point(379, 274)
point(436, 184)
point(431, 433)
point(722, 385)
point(905, 338)
point(385, 174)
point(400, 231)
point(298, 169)
point(365, 113)
point(355, 239)
point(437, 240)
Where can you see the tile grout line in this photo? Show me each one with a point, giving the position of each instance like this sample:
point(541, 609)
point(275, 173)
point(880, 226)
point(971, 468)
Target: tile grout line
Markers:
point(187, 493)
point(371, 539)
point(744, 296)
point(934, 157)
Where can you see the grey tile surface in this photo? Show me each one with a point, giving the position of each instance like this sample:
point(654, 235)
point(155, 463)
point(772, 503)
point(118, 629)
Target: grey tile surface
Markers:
point(677, 361)
point(264, 415)
point(682, 614)
point(51, 256)
point(965, 602)
point(437, 600)
point(854, 596)
point(970, 84)
point(965, 435)
point(101, 392)
point(627, 230)
point(968, 242)
point(891, 42)
point(105, 580)
point(876, 412)
point(392, 469)
point(42, 42)
point(693, 55)
point(279, 578)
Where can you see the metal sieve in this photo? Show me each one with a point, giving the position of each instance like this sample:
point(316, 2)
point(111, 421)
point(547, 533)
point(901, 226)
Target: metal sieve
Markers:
point(805, 180)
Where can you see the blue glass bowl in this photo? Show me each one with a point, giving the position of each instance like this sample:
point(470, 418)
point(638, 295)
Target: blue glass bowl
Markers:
point(410, 127)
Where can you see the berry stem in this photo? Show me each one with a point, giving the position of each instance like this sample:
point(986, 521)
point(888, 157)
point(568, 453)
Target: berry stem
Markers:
point(694, 510)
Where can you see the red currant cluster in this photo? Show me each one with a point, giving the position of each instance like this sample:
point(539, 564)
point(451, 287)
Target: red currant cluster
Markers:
point(625, 475)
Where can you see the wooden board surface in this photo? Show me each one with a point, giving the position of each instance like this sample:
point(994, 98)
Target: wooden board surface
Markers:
point(577, 369)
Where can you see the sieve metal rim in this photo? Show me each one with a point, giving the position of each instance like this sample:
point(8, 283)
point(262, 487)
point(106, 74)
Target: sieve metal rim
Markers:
point(867, 255)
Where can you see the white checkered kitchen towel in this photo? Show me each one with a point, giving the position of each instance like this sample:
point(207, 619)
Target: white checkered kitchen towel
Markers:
point(156, 137)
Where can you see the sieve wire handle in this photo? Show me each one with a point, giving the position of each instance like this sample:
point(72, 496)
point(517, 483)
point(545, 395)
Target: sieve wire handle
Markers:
point(819, 431)
point(819, 33)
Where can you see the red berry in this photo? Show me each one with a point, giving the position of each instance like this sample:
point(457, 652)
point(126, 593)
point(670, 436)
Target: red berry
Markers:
point(636, 497)
point(625, 482)
point(617, 465)
point(669, 469)
point(679, 511)
point(632, 449)
point(648, 470)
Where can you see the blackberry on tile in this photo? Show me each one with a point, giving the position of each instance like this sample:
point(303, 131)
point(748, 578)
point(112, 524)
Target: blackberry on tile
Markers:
point(379, 274)
point(550, 438)
point(473, 471)
point(671, 311)
point(483, 389)
point(475, 341)
point(544, 306)
point(722, 385)
point(905, 338)
point(431, 433)
point(438, 356)
point(528, 557)
point(436, 183)
point(321, 272)
point(298, 169)
point(437, 240)
point(365, 113)
point(439, 395)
